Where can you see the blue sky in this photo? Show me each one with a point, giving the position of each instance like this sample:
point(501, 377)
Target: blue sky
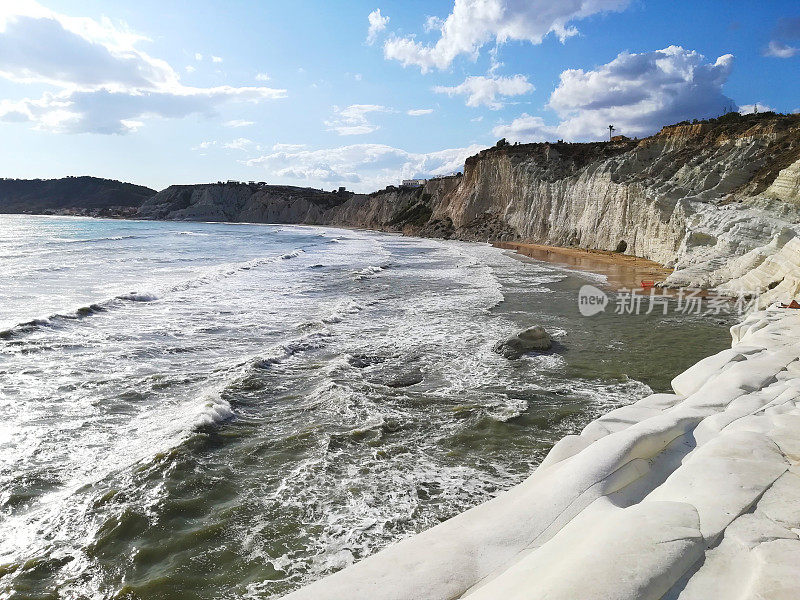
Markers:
point(363, 94)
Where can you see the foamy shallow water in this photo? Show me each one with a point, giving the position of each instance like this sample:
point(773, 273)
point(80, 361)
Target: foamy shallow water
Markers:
point(212, 411)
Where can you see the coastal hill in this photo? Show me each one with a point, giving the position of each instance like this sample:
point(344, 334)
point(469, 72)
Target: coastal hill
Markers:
point(718, 200)
point(71, 195)
point(244, 202)
point(712, 199)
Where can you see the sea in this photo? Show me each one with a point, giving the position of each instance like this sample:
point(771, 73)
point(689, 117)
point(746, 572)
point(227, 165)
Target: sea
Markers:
point(207, 411)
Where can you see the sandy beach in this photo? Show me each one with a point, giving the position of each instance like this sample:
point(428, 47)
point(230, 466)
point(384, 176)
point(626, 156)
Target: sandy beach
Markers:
point(622, 270)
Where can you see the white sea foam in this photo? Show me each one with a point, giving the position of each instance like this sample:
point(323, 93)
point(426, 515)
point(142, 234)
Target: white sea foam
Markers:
point(138, 297)
point(588, 275)
point(113, 238)
point(213, 409)
point(367, 272)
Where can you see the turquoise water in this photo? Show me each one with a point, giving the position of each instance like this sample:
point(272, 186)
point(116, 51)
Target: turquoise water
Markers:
point(228, 411)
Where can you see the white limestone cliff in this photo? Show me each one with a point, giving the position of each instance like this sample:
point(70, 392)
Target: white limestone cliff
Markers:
point(714, 200)
point(787, 185)
point(685, 496)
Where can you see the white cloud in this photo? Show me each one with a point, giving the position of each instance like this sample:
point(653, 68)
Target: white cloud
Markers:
point(526, 128)
point(780, 50)
point(474, 23)
point(287, 147)
point(240, 144)
point(238, 123)
point(262, 77)
point(107, 112)
point(477, 119)
point(482, 90)
point(353, 119)
point(198, 57)
point(105, 83)
point(637, 93)
point(432, 23)
point(203, 146)
point(190, 69)
point(418, 112)
point(366, 167)
point(43, 47)
point(377, 23)
point(748, 109)
point(216, 59)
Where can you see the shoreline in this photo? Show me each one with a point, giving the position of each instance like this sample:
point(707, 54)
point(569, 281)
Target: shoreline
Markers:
point(622, 271)
point(685, 495)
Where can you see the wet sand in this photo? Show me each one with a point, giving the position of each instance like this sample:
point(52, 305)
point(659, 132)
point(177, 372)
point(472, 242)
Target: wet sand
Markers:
point(622, 270)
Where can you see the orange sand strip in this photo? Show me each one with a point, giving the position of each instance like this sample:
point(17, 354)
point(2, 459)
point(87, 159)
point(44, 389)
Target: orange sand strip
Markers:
point(622, 270)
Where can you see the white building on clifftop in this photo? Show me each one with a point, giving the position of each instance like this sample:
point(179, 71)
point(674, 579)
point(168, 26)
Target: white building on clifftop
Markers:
point(414, 182)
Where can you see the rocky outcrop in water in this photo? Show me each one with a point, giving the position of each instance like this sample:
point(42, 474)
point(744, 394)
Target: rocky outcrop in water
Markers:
point(533, 339)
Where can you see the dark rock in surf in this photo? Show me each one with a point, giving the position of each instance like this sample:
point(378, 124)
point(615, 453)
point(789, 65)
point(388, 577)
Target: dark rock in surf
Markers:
point(533, 339)
point(407, 379)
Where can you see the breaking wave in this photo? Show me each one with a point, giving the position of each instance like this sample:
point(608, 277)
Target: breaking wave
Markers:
point(79, 313)
point(367, 272)
point(210, 274)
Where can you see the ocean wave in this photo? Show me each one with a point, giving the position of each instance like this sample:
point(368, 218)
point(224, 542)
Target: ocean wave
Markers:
point(348, 307)
point(211, 274)
point(367, 272)
point(113, 238)
point(506, 412)
point(79, 313)
point(337, 315)
point(597, 277)
point(138, 297)
point(213, 409)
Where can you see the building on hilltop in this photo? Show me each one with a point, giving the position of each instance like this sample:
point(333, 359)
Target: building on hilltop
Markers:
point(414, 182)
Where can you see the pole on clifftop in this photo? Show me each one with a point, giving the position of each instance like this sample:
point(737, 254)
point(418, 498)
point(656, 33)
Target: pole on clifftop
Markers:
point(610, 132)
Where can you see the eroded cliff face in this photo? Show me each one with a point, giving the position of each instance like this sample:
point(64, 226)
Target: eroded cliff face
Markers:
point(714, 200)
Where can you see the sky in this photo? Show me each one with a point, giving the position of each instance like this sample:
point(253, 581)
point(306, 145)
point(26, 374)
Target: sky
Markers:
point(364, 94)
